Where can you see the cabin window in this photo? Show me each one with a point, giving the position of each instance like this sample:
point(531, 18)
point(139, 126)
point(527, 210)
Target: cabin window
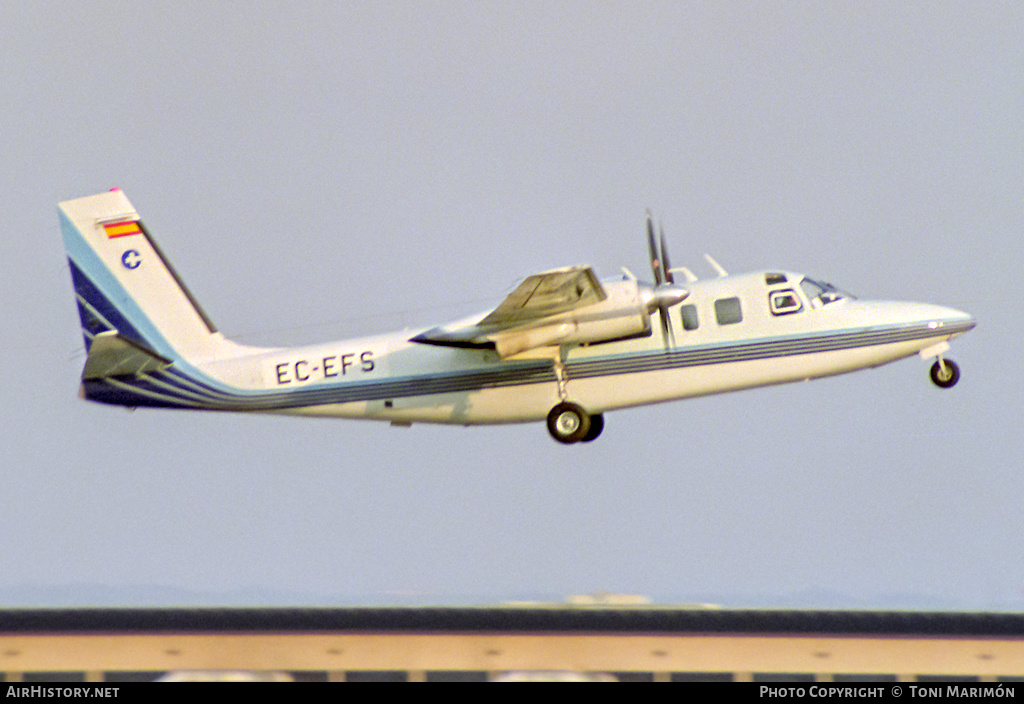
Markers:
point(772, 278)
point(784, 302)
point(728, 311)
point(689, 316)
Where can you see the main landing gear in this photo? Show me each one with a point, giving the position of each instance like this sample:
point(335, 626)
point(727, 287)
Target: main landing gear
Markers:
point(945, 373)
point(569, 423)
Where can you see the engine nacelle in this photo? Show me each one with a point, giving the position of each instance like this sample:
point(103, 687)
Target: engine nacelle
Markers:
point(624, 313)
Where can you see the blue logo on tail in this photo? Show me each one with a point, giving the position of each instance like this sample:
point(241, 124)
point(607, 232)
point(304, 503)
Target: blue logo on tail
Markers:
point(131, 259)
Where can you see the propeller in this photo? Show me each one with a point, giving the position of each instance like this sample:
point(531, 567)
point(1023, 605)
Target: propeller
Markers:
point(664, 257)
point(653, 247)
point(664, 293)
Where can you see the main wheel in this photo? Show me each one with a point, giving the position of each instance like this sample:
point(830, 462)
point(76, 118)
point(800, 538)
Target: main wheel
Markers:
point(568, 423)
point(945, 373)
point(596, 426)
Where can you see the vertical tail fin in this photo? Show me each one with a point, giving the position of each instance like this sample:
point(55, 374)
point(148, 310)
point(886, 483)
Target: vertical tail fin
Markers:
point(148, 342)
point(130, 299)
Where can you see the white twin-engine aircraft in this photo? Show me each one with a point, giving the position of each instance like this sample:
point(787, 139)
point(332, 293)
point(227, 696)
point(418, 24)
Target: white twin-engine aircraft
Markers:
point(562, 346)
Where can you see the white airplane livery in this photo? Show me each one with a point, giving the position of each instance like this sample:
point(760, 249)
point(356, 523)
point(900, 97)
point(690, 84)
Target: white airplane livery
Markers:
point(563, 346)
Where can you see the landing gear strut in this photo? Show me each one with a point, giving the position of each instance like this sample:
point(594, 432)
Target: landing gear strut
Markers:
point(945, 373)
point(568, 422)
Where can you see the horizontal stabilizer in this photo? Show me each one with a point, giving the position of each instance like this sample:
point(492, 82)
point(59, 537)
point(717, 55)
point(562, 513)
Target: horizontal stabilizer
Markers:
point(112, 355)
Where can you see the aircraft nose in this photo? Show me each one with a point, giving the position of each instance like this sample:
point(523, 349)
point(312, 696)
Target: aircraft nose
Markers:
point(952, 317)
point(960, 316)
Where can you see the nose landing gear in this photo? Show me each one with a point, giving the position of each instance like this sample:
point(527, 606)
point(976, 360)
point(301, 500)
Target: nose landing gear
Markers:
point(945, 373)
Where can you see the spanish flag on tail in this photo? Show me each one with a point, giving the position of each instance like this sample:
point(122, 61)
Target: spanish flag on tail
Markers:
point(122, 229)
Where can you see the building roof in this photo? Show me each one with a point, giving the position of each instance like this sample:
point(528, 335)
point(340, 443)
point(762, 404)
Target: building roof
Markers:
point(514, 619)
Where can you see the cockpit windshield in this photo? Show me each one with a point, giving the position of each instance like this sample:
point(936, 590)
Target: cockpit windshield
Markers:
point(820, 293)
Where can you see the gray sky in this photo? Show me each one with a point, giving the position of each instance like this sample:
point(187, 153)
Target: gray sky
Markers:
point(320, 170)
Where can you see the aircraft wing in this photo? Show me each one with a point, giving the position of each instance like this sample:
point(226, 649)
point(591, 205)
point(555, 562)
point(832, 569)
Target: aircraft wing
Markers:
point(546, 294)
point(566, 305)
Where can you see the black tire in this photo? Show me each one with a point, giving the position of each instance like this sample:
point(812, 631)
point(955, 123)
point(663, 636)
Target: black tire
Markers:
point(945, 378)
point(596, 426)
point(568, 423)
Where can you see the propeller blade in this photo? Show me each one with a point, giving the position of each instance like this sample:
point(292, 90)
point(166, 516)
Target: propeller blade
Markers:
point(663, 309)
point(664, 293)
point(652, 245)
point(664, 257)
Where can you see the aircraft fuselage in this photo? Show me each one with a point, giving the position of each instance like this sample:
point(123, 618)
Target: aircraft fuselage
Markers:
point(388, 377)
point(562, 346)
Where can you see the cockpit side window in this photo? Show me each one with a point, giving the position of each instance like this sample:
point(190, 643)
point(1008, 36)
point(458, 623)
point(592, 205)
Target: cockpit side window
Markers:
point(784, 302)
point(820, 293)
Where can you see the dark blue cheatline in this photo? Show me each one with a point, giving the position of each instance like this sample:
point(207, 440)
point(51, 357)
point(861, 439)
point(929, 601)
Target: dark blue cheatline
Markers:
point(175, 388)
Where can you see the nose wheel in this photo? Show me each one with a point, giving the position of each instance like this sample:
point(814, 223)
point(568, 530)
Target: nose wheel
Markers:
point(945, 373)
point(569, 423)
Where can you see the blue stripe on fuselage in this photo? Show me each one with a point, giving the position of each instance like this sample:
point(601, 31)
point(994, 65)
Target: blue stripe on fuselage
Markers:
point(179, 387)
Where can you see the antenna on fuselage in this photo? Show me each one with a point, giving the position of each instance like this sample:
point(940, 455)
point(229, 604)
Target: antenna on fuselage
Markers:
point(690, 276)
point(715, 265)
